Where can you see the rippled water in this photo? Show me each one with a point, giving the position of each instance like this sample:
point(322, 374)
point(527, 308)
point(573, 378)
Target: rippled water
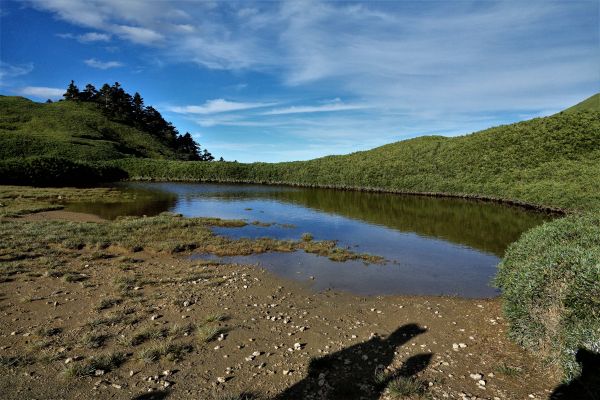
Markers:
point(436, 246)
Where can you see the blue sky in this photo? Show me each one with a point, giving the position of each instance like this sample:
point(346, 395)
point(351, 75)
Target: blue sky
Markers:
point(273, 81)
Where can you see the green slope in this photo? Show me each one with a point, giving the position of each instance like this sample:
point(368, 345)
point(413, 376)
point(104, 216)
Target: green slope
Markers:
point(73, 130)
point(591, 104)
point(550, 161)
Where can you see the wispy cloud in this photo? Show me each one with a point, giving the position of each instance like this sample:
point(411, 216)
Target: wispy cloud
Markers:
point(89, 37)
point(138, 34)
point(41, 92)
point(315, 109)
point(217, 106)
point(92, 62)
point(14, 70)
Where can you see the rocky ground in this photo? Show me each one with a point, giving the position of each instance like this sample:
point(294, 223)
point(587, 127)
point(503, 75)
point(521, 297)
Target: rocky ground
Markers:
point(112, 323)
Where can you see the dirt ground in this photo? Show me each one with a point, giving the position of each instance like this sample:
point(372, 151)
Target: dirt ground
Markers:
point(139, 325)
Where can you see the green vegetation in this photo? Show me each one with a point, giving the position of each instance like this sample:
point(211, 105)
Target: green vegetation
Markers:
point(48, 171)
point(549, 162)
point(590, 104)
point(550, 280)
point(405, 386)
point(103, 363)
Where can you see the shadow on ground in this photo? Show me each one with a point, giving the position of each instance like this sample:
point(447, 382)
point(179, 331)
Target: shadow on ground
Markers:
point(587, 385)
point(357, 372)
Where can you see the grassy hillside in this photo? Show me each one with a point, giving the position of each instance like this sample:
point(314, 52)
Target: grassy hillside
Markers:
point(551, 161)
point(590, 104)
point(72, 130)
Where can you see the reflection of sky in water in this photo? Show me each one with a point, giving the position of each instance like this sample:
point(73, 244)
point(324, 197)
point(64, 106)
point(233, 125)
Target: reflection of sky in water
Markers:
point(435, 246)
point(419, 265)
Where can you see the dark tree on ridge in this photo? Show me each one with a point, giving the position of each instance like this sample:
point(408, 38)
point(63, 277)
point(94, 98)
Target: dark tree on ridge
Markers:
point(120, 106)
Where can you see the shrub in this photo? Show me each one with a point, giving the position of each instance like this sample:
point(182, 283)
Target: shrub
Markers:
point(550, 280)
point(48, 171)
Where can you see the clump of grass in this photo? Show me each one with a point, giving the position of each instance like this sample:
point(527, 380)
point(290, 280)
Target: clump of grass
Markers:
point(148, 334)
point(405, 386)
point(307, 237)
point(122, 316)
point(16, 361)
point(381, 377)
point(108, 303)
point(53, 273)
point(105, 362)
point(208, 333)
point(94, 340)
point(170, 351)
point(125, 282)
point(73, 277)
point(176, 330)
point(49, 332)
point(508, 370)
point(215, 318)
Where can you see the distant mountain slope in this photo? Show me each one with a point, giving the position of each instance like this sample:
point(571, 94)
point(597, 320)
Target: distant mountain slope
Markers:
point(73, 130)
point(552, 161)
point(592, 103)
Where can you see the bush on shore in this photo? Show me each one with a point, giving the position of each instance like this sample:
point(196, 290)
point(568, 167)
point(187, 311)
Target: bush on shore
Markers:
point(55, 171)
point(550, 280)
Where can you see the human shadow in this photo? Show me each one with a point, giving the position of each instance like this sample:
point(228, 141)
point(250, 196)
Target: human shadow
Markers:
point(358, 371)
point(587, 385)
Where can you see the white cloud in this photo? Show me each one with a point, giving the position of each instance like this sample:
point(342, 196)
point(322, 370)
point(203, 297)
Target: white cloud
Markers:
point(138, 34)
point(41, 92)
point(315, 109)
point(92, 62)
point(89, 37)
point(217, 106)
point(14, 70)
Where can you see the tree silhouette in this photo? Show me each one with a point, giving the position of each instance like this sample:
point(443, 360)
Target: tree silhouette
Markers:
point(72, 92)
point(118, 105)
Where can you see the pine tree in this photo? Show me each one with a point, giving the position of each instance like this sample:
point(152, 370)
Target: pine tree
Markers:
point(89, 93)
point(72, 92)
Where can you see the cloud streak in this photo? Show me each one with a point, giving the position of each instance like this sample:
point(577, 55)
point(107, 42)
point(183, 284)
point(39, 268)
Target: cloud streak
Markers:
point(92, 62)
point(89, 37)
point(41, 92)
point(315, 109)
point(216, 106)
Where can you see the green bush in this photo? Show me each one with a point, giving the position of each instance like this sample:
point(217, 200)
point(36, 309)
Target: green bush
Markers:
point(550, 280)
point(54, 171)
point(550, 161)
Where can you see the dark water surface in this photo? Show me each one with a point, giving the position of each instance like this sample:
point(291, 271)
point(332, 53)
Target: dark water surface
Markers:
point(436, 246)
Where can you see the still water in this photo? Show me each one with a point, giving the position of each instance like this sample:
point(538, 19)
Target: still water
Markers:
point(434, 246)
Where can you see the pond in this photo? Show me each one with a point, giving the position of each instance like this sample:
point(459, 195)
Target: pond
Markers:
point(434, 246)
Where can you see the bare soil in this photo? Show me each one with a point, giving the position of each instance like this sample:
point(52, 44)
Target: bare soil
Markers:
point(190, 330)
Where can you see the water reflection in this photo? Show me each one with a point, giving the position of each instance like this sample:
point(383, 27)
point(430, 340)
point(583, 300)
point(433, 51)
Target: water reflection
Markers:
point(437, 245)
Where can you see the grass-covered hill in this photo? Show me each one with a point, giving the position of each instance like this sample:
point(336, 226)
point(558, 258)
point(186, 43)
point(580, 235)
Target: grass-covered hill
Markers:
point(550, 161)
point(73, 130)
point(590, 104)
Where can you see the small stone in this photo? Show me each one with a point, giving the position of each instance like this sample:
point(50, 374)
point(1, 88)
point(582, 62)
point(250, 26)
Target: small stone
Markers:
point(221, 379)
point(481, 382)
point(287, 372)
point(155, 317)
point(462, 345)
point(69, 360)
point(99, 372)
point(116, 386)
point(297, 346)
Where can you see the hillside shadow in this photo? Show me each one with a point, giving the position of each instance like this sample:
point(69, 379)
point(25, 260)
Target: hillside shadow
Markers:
point(350, 373)
point(587, 385)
